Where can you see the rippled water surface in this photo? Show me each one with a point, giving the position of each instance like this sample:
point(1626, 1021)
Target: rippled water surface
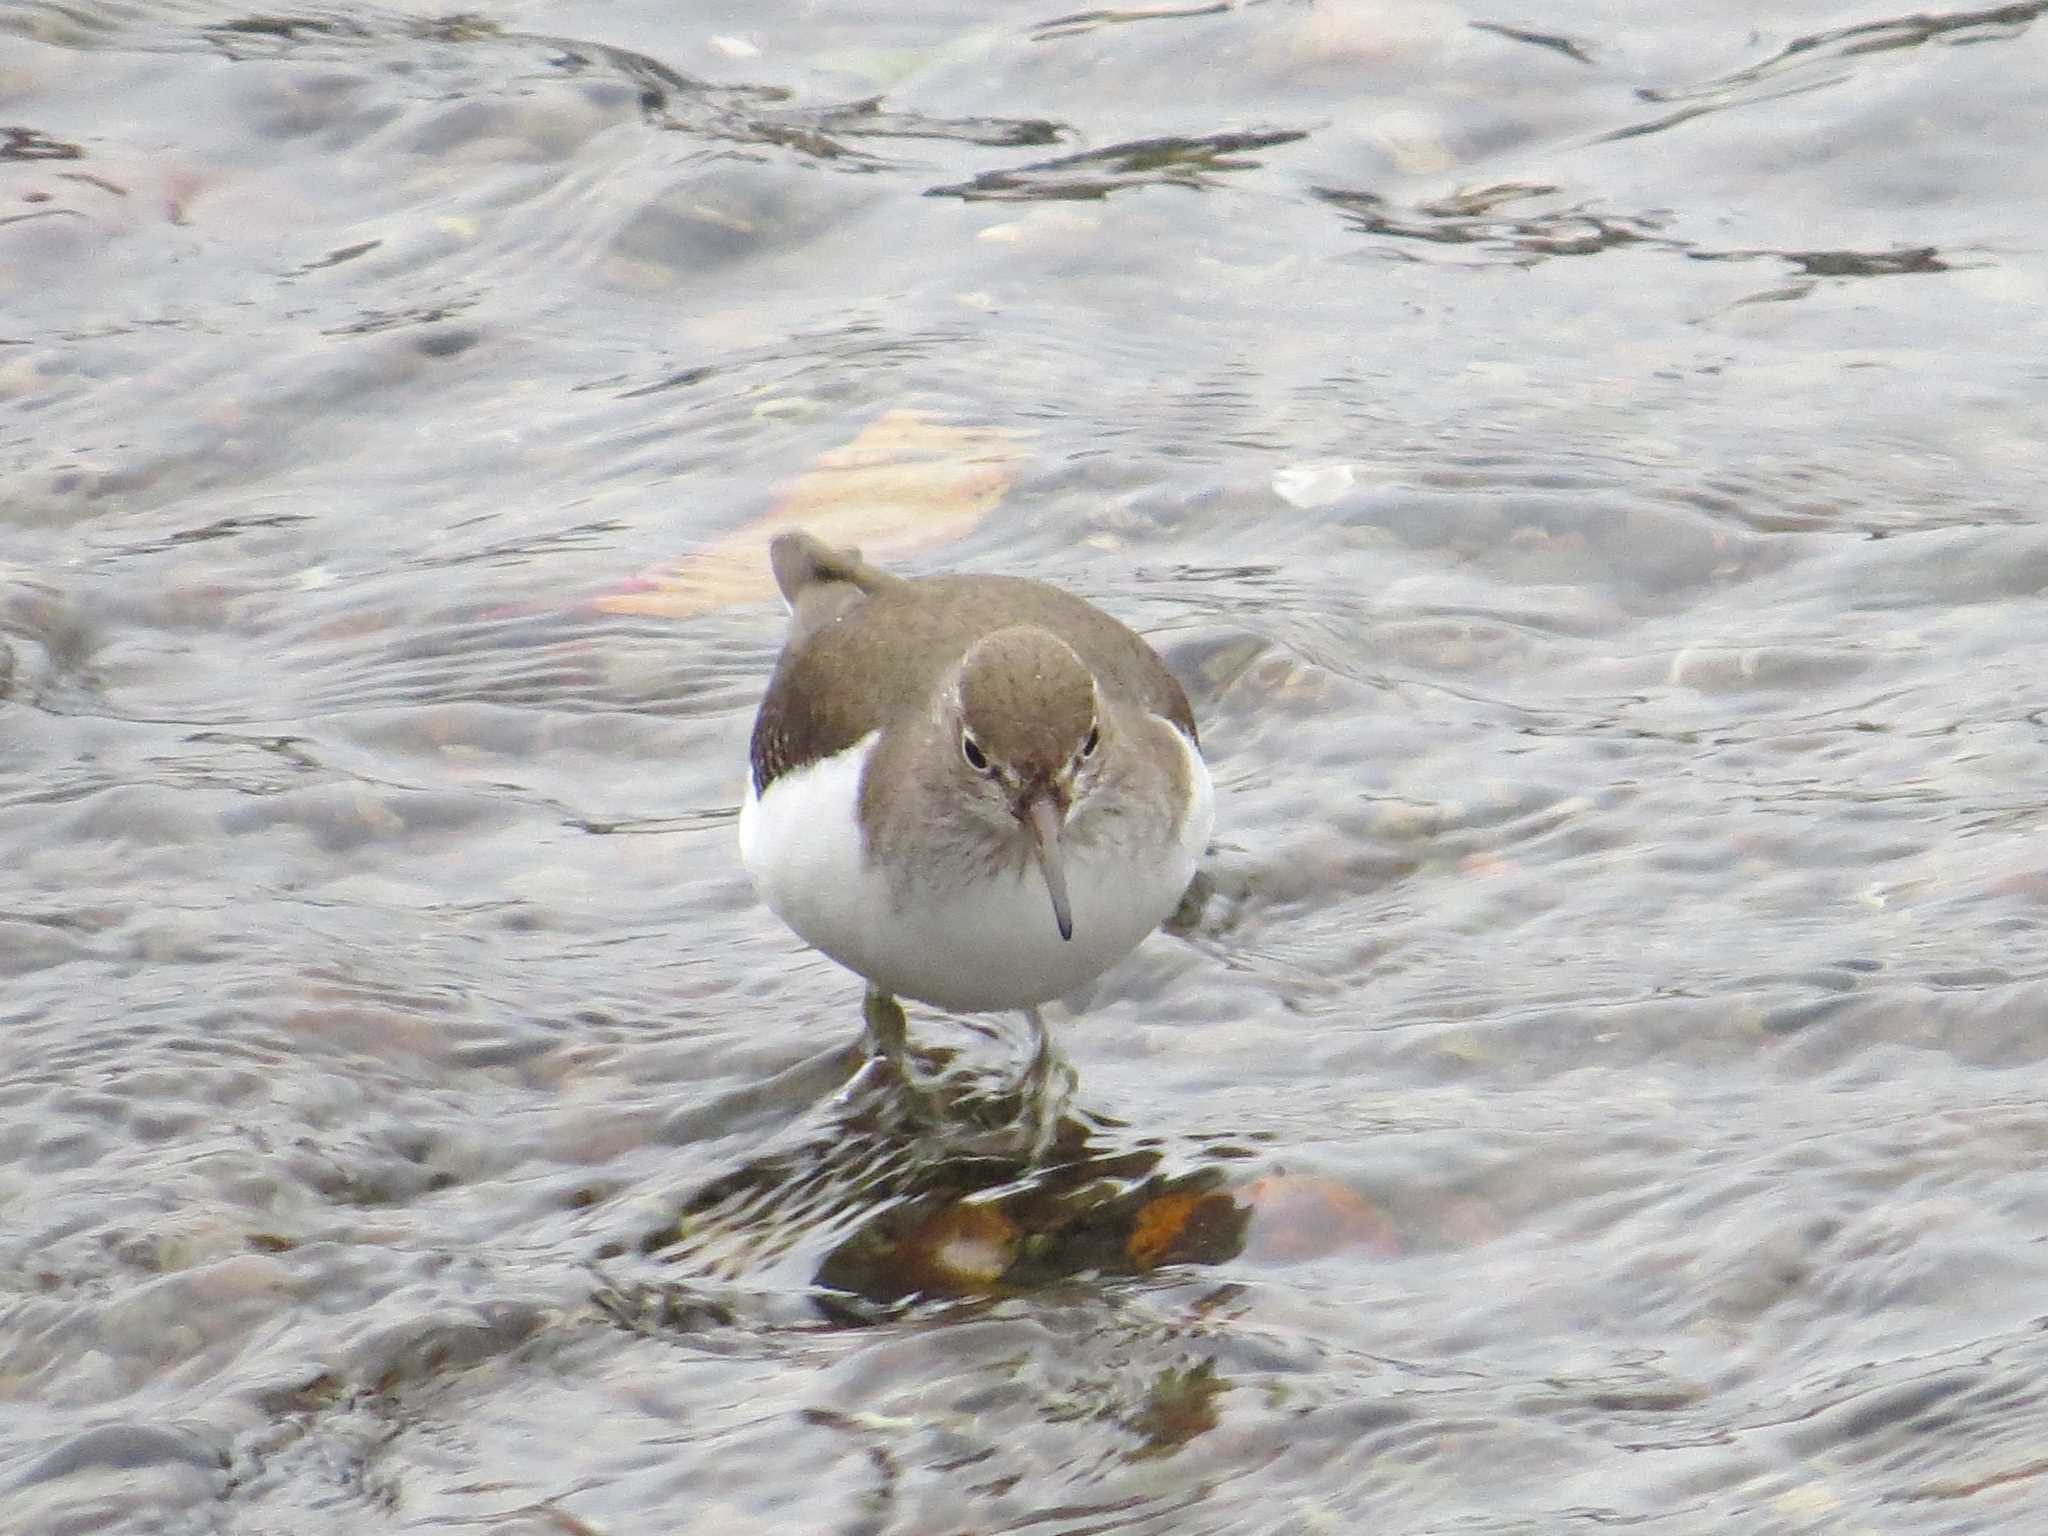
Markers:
point(1586, 463)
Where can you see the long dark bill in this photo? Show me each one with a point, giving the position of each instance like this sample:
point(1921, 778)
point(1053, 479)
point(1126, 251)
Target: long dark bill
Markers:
point(1041, 818)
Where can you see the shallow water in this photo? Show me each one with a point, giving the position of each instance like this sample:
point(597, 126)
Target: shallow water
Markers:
point(1587, 470)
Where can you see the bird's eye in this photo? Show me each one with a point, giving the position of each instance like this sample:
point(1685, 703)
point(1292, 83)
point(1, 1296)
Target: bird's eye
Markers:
point(971, 750)
point(1094, 740)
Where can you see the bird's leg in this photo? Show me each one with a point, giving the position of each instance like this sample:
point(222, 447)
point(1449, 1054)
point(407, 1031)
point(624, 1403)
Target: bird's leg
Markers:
point(1040, 1064)
point(888, 1030)
point(889, 1038)
point(1045, 1087)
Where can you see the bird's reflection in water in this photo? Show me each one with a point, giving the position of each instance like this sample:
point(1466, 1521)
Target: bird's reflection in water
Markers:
point(927, 1175)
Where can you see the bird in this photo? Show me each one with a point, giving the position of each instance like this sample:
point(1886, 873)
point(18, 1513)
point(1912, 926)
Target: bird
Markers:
point(977, 792)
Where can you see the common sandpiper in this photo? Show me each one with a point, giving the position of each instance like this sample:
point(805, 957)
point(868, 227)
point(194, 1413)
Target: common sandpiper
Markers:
point(978, 792)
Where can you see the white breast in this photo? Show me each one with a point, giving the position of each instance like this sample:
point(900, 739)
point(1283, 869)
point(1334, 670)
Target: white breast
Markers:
point(989, 945)
point(802, 845)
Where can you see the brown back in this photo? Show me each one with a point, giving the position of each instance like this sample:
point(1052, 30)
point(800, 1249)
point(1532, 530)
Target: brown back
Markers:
point(828, 691)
